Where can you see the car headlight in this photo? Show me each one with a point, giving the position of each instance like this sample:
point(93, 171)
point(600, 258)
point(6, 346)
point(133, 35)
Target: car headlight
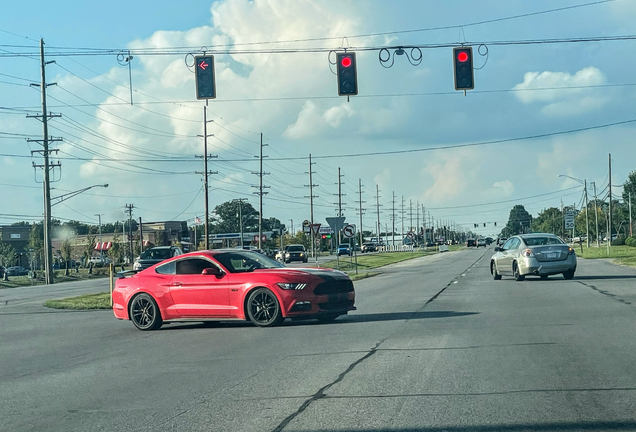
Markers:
point(286, 253)
point(136, 265)
point(291, 286)
point(301, 254)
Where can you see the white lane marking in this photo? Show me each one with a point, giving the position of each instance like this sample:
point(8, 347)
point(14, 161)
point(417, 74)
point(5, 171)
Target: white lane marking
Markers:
point(463, 274)
point(454, 282)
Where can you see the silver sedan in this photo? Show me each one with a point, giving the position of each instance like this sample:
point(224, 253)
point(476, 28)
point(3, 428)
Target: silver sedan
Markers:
point(533, 254)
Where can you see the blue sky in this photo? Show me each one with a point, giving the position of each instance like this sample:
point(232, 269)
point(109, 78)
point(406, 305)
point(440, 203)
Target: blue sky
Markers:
point(166, 117)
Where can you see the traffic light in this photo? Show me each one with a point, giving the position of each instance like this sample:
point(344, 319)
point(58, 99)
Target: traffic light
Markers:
point(484, 225)
point(495, 223)
point(206, 87)
point(324, 236)
point(347, 74)
point(463, 66)
point(475, 225)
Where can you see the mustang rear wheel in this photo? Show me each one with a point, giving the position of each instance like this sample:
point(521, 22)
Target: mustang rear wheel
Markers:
point(144, 312)
point(263, 308)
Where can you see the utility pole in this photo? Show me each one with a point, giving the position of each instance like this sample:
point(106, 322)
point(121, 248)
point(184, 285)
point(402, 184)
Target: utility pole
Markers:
point(46, 167)
point(360, 203)
point(417, 220)
point(410, 215)
point(206, 173)
point(393, 219)
point(587, 220)
point(424, 222)
point(630, 213)
point(240, 217)
point(377, 210)
point(598, 241)
point(402, 214)
point(101, 245)
point(260, 193)
point(340, 194)
point(129, 210)
point(141, 237)
point(311, 197)
point(609, 232)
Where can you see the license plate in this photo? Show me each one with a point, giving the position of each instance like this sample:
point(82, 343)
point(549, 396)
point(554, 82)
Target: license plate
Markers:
point(550, 255)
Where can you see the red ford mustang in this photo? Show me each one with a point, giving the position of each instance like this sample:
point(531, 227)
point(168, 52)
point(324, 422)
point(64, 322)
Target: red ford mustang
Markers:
point(220, 285)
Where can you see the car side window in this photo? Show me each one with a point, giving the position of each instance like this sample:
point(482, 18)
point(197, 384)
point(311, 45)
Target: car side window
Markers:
point(508, 244)
point(167, 269)
point(193, 266)
point(515, 244)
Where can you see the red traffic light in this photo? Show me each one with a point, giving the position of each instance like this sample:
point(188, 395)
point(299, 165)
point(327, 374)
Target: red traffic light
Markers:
point(346, 61)
point(462, 56)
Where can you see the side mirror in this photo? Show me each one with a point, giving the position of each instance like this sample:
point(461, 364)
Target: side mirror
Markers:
point(212, 271)
point(498, 249)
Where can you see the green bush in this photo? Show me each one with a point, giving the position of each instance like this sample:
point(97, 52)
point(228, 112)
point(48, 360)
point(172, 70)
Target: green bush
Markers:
point(630, 241)
point(620, 241)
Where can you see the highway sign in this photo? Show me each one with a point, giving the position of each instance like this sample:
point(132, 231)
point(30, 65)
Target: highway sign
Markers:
point(349, 231)
point(315, 228)
point(336, 223)
point(569, 219)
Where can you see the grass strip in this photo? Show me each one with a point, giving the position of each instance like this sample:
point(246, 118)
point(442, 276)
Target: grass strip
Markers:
point(372, 261)
point(86, 301)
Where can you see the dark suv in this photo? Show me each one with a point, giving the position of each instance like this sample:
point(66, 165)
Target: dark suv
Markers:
point(471, 243)
point(295, 252)
point(155, 255)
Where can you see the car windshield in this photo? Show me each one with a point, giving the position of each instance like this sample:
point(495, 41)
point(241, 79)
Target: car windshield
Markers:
point(244, 261)
point(161, 254)
point(542, 241)
point(295, 248)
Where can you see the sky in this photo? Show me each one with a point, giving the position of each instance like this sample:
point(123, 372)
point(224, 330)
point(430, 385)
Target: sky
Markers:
point(146, 151)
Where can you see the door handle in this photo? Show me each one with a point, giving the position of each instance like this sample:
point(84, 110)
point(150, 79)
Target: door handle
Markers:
point(176, 284)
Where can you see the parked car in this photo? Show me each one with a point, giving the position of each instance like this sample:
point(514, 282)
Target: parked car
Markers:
point(344, 249)
point(481, 242)
point(17, 271)
point(369, 247)
point(97, 262)
point(295, 252)
point(489, 240)
point(533, 254)
point(230, 284)
point(155, 255)
point(471, 243)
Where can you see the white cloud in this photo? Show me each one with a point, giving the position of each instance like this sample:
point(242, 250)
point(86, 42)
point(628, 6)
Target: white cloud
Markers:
point(563, 102)
point(504, 188)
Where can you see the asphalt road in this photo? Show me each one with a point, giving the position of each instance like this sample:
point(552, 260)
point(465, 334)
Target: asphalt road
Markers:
point(436, 345)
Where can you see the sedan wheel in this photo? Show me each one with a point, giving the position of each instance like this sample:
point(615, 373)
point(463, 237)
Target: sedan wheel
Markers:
point(144, 313)
point(263, 308)
point(568, 274)
point(518, 276)
point(494, 272)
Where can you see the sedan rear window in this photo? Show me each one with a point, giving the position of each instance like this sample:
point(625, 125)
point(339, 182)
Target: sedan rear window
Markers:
point(161, 254)
point(542, 241)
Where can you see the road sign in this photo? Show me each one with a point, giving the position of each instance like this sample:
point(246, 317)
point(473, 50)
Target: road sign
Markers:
point(263, 238)
point(317, 241)
point(314, 229)
point(336, 223)
point(349, 231)
point(569, 219)
point(410, 235)
point(306, 226)
point(325, 230)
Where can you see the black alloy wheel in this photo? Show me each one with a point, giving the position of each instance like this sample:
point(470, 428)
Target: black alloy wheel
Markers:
point(518, 276)
point(144, 312)
point(568, 274)
point(493, 271)
point(263, 308)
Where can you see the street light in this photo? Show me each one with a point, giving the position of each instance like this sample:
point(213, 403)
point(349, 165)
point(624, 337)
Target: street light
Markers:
point(74, 193)
point(587, 223)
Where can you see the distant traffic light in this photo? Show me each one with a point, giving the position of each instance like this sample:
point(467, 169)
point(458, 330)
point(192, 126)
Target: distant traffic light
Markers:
point(347, 74)
point(495, 223)
point(475, 225)
point(206, 87)
point(484, 225)
point(324, 236)
point(463, 67)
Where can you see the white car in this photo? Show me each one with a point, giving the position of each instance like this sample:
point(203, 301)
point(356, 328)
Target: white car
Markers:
point(481, 242)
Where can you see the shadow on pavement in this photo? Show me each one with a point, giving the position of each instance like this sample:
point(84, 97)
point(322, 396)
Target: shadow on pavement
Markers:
point(344, 319)
point(605, 277)
point(534, 427)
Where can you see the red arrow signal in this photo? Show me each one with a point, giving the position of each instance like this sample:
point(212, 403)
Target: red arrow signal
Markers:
point(203, 65)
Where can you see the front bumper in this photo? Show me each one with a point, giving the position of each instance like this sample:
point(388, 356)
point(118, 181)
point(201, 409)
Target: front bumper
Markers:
point(531, 266)
point(306, 303)
point(296, 258)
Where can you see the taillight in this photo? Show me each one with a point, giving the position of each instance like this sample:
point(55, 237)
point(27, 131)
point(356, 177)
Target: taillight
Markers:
point(527, 253)
point(571, 251)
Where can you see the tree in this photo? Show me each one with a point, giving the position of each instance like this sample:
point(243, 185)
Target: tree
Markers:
point(90, 247)
point(115, 253)
point(21, 224)
point(225, 218)
point(519, 222)
point(66, 254)
point(7, 254)
point(549, 220)
point(36, 242)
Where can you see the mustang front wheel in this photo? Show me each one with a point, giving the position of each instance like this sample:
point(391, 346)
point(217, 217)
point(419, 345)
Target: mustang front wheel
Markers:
point(263, 308)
